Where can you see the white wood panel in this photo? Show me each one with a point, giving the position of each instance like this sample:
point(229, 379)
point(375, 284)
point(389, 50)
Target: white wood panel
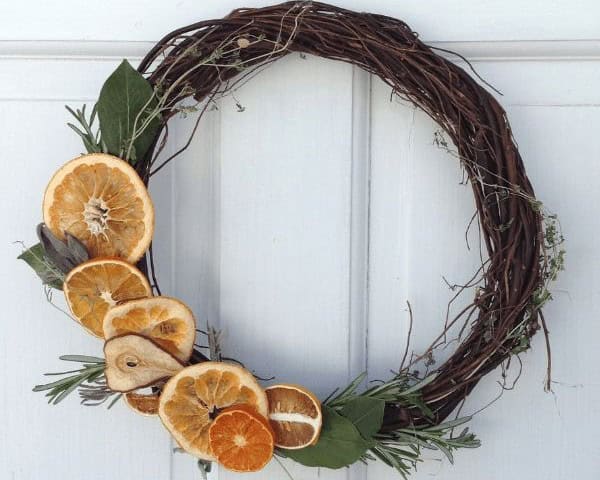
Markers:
point(434, 20)
point(563, 423)
point(196, 234)
point(268, 233)
point(262, 163)
point(554, 141)
point(38, 440)
point(499, 50)
point(285, 226)
point(417, 201)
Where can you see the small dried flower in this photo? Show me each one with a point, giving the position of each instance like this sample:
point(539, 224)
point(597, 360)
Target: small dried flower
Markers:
point(243, 42)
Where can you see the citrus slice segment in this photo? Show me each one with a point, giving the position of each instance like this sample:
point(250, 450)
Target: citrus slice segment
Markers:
point(241, 439)
point(144, 404)
point(101, 200)
point(295, 416)
point(94, 286)
point(167, 321)
point(192, 399)
point(134, 361)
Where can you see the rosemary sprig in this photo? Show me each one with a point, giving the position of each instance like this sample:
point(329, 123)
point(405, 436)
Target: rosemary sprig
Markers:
point(91, 140)
point(89, 379)
point(97, 393)
point(402, 390)
point(401, 448)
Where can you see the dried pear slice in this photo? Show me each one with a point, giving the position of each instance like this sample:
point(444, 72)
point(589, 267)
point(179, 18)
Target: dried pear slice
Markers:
point(134, 361)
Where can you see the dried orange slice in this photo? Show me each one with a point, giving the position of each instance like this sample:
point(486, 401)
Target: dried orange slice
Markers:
point(144, 404)
point(241, 439)
point(295, 416)
point(101, 200)
point(94, 286)
point(192, 399)
point(167, 321)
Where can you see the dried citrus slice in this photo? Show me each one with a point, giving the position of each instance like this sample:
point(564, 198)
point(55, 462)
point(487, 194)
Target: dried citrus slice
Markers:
point(101, 200)
point(94, 286)
point(167, 321)
point(241, 439)
point(144, 404)
point(295, 415)
point(193, 398)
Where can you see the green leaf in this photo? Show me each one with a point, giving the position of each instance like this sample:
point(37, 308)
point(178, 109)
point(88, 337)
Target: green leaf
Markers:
point(46, 270)
point(366, 414)
point(125, 96)
point(339, 445)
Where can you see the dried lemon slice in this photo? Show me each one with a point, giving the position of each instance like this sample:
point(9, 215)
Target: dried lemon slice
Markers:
point(167, 321)
point(94, 286)
point(101, 200)
point(193, 398)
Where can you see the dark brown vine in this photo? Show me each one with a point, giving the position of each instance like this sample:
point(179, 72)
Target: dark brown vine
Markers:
point(210, 58)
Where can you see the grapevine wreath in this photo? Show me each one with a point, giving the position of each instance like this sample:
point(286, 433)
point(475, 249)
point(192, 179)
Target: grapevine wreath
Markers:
point(98, 222)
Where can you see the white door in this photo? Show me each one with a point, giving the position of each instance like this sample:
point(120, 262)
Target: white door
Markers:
point(301, 225)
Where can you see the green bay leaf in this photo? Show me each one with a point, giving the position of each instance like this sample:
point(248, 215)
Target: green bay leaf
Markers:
point(45, 269)
point(125, 96)
point(365, 413)
point(339, 445)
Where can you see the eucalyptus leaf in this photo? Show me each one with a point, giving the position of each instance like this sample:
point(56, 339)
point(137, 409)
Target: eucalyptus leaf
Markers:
point(126, 96)
point(49, 273)
point(339, 445)
point(366, 414)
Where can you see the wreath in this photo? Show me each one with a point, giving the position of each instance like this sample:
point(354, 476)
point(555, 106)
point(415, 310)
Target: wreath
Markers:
point(98, 222)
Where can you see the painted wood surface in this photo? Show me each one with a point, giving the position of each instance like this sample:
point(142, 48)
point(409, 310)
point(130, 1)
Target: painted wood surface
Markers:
point(303, 224)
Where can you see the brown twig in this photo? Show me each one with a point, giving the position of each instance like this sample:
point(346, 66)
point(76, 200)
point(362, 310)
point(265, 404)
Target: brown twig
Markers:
point(410, 327)
point(211, 57)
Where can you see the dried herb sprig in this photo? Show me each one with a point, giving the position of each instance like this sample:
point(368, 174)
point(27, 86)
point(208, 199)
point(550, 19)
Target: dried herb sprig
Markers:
point(403, 389)
point(97, 393)
point(90, 377)
point(400, 448)
point(91, 139)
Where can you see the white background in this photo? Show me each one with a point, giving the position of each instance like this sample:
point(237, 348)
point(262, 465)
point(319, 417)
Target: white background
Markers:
point(303, 225)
